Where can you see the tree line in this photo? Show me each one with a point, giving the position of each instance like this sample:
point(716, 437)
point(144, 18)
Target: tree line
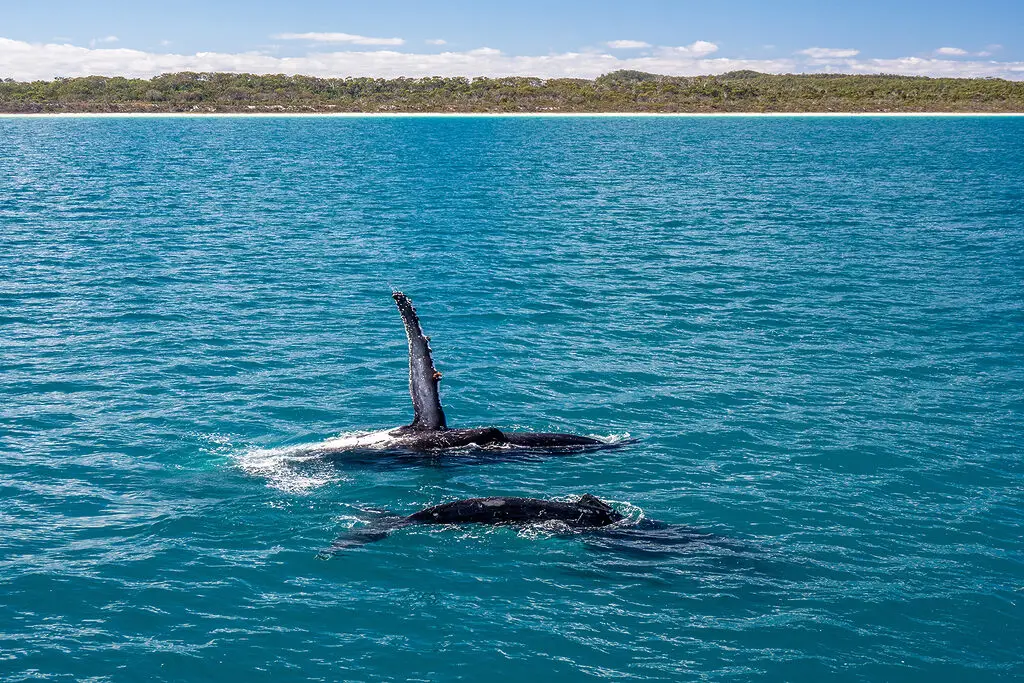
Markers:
point(620, 91)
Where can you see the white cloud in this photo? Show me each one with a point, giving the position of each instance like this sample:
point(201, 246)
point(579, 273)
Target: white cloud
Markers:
point(627, 44)
point(951, 51)
point(950, 68)
point(350, 38)
point(32, 61)
point(105, 39)
point(696, 49)
point(436, 41)
point(828, 53)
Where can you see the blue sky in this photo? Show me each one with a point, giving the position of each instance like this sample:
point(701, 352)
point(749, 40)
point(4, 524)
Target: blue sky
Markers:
point(546, 38)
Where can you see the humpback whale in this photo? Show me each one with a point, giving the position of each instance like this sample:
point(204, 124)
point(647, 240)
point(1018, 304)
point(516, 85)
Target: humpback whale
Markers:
point(606, 528)
point(589, 512)
point(429, 430)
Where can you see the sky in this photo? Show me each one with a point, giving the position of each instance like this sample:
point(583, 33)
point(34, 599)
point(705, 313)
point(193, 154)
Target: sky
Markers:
point(44, 39)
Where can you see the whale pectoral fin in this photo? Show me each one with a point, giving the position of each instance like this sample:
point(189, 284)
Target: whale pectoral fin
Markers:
point(423, 376)
point(360, 536)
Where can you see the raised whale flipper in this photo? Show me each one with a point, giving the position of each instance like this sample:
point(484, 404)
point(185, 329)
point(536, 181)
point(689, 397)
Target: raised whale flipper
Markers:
point(423, 377)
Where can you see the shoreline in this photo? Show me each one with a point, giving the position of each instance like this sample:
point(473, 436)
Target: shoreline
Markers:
point(268, 115)
point(618, 93)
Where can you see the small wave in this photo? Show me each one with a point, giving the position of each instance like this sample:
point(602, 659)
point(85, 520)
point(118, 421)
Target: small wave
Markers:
point(280, 469)
point(350, 521)
point(614, 439)
point(215, 444)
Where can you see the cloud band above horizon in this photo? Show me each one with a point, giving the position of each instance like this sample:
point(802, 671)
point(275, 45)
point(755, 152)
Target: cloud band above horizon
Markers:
point(349, 38)
point(44, 61)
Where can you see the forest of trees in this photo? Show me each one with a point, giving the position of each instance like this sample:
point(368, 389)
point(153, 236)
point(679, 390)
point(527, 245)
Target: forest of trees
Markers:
point(621, 91)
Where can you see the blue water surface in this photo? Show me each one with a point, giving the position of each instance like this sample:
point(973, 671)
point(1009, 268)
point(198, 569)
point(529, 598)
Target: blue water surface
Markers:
point(813, 326)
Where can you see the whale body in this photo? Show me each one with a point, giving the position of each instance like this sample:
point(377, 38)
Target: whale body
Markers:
point(429, 430)
point(589, 512)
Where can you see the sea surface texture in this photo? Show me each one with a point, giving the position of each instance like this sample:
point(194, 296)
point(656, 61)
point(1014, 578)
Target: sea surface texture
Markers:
point(812, 327)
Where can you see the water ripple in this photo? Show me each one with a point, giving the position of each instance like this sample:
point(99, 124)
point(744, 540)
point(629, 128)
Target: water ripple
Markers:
point(814, 329)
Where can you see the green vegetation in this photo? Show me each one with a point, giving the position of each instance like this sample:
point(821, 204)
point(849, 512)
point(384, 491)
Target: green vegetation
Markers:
point(621, 91)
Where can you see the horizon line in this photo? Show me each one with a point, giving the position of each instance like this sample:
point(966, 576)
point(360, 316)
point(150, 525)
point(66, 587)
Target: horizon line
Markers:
point(267, 115)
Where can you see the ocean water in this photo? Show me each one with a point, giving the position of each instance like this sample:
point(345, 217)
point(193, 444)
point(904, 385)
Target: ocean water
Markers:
point(813, 327)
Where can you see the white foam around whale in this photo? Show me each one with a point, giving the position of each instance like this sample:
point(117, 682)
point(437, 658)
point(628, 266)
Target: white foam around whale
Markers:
point(295, 468)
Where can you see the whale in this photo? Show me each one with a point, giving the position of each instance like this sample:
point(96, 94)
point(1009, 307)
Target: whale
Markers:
point(429, 430)
point(589, 512)
point(605, 528)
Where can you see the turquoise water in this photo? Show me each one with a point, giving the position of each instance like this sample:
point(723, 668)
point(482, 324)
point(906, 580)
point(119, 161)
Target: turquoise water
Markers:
point(814, 327)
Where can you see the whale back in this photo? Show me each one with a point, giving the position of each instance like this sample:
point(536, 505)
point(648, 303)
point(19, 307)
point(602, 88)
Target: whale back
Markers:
point(589, 511)
point(423, 376)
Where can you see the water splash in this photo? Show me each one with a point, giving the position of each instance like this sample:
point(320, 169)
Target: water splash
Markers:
point(300, 468)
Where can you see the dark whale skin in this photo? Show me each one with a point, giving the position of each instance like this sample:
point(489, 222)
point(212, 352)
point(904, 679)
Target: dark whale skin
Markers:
point(411, 438)
point(587, 512)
